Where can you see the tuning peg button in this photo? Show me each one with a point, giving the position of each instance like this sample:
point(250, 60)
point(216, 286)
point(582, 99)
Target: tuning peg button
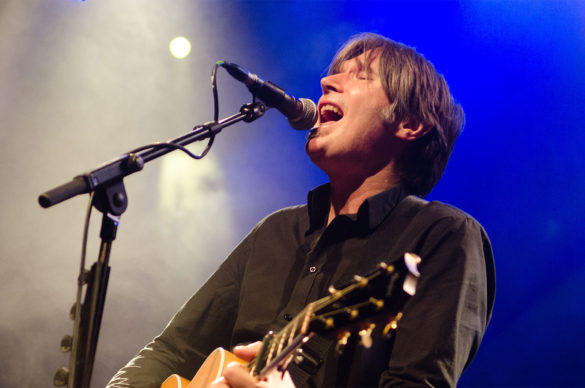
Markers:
point(351, 313)
point(388, 268)
point(360, 280)
point(329, 323)
point(377, 303)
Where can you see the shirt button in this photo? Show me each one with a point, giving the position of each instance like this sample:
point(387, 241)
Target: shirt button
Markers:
point(312, 269)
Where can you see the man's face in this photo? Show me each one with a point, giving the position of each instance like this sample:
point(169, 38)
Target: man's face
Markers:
point(351, 135)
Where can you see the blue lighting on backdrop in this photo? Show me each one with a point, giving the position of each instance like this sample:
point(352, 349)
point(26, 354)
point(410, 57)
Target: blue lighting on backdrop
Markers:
point(519, 167)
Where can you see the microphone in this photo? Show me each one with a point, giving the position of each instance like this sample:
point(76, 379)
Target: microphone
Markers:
point(301, 113)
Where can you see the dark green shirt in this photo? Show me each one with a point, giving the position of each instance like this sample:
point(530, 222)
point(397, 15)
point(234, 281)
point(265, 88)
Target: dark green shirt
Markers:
point(291, 257)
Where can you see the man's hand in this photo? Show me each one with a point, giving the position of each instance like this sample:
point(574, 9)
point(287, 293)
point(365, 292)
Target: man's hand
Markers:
point(248, 352)
point(238, 376)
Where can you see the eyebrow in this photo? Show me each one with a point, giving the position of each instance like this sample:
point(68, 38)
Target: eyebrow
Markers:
point(365, 64)
point(362, 63)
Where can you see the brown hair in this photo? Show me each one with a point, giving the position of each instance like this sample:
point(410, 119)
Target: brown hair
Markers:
point(416, 92)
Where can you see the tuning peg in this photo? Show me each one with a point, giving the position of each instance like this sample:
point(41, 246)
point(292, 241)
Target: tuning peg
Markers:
point(360, 280)
point(325, 323)
point(66, 343)
point(334, 292)
point(61, 377)
point(299, 356)
point(342, 342)
point(388, 268)
point(392, 325)
point(351, 313)
point(366, 336)
point(329, 323)
point(377, 303)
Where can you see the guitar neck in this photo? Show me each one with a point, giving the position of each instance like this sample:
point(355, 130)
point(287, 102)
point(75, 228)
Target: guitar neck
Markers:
point(278, 349)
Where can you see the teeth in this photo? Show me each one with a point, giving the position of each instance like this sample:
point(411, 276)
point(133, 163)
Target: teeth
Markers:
point(331, 108)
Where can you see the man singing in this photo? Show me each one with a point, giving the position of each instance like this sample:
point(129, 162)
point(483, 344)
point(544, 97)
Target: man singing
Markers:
point(387, 126)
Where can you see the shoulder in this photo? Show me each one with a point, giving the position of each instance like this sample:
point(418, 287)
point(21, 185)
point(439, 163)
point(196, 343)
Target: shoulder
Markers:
point(287, 215)
point(468, 245)
point(283, 222)
point(427, 226)
point(433, 213)
point(440, 227)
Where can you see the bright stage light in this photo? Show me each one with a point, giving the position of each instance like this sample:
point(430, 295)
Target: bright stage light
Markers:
point(180, 47)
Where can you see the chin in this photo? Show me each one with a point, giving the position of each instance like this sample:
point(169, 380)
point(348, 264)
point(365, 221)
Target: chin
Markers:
point(315, 153)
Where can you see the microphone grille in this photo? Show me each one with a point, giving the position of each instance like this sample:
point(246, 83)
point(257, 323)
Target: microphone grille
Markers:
point(308, 118)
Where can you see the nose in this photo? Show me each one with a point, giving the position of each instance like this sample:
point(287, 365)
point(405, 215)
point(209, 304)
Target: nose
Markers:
point(332, 83)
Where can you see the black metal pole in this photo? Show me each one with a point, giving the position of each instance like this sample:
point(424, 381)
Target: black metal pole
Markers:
point(111, 200)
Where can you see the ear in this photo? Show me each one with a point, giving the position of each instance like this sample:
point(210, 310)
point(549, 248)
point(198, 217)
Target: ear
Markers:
point(411, 129)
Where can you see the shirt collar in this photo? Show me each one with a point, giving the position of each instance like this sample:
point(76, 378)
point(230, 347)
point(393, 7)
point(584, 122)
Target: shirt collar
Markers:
point(371, 213)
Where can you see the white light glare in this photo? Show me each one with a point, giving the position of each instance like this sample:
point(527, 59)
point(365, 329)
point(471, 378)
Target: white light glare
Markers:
point(180, 47)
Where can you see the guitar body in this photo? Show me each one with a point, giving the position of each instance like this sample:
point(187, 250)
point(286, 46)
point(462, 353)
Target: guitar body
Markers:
point(175, 381)
point(211, 369)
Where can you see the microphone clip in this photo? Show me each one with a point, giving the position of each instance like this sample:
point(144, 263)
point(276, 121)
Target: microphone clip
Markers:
point(253, 110)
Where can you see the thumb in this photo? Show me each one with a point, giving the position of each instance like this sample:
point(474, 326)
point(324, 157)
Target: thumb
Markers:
point(248, 352)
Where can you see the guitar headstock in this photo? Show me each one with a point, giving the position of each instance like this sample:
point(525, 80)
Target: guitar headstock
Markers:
point(358, 306)
point(380, 295)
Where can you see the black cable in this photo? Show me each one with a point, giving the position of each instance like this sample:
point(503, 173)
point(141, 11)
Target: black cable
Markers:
point(178, 147)
point(81, 280)
point(214, 90)
point(211, 133)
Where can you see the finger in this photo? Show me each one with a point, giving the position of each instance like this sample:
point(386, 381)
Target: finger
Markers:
point(238, 376)
point(248, 352)
point(220, 382)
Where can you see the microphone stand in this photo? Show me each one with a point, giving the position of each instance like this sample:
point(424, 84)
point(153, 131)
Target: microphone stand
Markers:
point(106, 182)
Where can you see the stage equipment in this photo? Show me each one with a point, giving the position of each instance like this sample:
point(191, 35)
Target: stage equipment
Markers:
point(108, 195)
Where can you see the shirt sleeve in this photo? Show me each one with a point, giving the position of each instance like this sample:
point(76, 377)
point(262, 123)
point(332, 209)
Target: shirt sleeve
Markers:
point(203, 323)
point(445, 320)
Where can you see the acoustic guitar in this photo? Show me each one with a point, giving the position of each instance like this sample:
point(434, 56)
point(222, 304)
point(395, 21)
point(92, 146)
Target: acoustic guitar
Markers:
point(378, 296)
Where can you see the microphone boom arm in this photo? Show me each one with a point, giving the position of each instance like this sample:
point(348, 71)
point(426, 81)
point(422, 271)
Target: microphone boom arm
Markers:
point(132, 162)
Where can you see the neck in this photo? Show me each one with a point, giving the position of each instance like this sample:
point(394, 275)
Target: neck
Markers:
point(348, 194)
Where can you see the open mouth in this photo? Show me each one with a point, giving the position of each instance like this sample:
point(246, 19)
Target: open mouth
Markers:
point(329, 112)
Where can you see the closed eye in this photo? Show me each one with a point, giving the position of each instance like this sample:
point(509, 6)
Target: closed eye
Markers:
point(362, 75)
point(365, 76)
